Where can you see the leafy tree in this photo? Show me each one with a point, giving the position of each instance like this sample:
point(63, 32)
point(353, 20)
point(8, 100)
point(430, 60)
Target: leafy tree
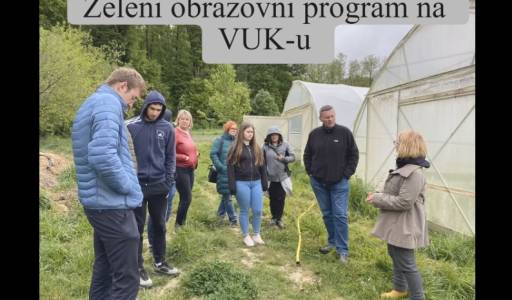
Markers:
point(52, 12)
point(370, 65)
point(195, 100)
point(355, 76)
point(70, 69)
point(228, 98)
point(333, 73)
point(276, 79)
point(264, 104)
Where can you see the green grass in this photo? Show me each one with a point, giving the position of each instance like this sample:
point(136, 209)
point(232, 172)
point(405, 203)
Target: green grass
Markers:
point(212, 256)
point(55, 144)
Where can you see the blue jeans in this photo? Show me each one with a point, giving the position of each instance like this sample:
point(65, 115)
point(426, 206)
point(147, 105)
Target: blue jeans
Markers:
point(226, 206)
point(170, 196)
point(249, 195)
point(333, 202)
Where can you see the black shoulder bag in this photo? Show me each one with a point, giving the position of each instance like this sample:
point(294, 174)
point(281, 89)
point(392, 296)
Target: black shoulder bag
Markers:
point(212, 171)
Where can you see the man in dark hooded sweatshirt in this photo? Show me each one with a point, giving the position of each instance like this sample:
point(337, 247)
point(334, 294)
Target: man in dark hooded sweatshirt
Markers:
point(154, 143)
point(168, 117)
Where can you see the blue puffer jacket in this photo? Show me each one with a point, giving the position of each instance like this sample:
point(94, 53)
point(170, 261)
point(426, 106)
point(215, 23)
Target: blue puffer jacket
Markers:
point(155, 145)
point(220, 162)
point(104, 168)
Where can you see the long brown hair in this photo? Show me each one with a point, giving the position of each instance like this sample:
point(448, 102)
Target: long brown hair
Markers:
point(236, 149)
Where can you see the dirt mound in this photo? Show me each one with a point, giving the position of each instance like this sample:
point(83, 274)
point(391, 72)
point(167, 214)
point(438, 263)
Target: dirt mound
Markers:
point(50, 167)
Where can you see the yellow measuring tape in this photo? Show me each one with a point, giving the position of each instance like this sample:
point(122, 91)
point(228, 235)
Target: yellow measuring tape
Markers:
point(297, 255)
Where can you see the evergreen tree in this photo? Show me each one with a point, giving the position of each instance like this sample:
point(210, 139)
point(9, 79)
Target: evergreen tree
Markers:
point(264, 104)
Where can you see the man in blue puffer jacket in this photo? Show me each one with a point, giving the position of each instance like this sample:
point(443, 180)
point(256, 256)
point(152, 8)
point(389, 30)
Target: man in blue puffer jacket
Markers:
point(155, 149)
point(107, 184)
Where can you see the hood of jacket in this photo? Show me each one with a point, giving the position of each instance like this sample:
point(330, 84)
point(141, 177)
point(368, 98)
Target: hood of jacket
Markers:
point(151, 98)
point(273, 130)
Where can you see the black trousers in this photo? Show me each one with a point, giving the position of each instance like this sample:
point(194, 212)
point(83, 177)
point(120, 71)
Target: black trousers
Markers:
point(277, 196)
point(155, 200)
point(115, 274)
point(184, 185)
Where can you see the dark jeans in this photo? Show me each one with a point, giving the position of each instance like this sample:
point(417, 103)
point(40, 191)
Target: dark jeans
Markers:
point(168, 212)
point(405, 274)
point(277, 195)
point(226, 206)
point(115, 274)
point(184, 184)
point(156, 205)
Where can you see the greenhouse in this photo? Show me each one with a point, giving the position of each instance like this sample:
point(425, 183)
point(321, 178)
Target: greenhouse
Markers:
point(301, 110)
point(427, 84)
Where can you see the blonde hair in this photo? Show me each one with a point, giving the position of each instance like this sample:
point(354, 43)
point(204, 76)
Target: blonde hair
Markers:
point(235, 151)
point(184, 113)
point(411, 145)
point(128, 75)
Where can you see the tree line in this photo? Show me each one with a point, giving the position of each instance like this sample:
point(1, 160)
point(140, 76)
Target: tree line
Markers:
point(75, 59)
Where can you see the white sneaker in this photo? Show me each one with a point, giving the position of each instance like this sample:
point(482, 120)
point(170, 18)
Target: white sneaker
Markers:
point(248, 241)
point(257, 239)
point(145, 281)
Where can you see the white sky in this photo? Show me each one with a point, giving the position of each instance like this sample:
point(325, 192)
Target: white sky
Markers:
point(358, 41)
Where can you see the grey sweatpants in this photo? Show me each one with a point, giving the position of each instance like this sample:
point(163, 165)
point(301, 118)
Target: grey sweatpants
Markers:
point(405, 274)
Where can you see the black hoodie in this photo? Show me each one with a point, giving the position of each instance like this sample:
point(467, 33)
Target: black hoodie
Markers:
point(154, 143)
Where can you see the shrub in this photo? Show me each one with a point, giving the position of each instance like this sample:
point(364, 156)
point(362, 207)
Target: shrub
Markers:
point(220, 280)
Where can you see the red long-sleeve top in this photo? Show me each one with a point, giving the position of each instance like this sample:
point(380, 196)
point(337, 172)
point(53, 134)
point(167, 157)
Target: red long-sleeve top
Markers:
point(185, 147)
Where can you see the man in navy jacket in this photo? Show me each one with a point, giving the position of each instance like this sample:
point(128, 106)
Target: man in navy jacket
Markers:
point(154, 143)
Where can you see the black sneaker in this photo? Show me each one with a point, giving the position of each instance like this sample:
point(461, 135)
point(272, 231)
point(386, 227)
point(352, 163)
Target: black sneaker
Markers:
point(145, 281)
point(326, 249)
point(166, 269)
point(233, 224)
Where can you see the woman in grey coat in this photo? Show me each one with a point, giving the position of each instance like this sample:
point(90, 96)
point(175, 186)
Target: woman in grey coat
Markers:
point(277, 156)
point(402, 221)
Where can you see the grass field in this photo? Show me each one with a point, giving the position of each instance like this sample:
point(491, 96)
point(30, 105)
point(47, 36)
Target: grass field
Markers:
point(215, 264)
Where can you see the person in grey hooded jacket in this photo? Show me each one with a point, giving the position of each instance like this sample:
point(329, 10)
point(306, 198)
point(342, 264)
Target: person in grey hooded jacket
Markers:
point(277, 155)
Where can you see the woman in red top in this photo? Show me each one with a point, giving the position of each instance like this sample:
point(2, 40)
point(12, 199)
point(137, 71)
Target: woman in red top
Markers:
point(186, 162)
